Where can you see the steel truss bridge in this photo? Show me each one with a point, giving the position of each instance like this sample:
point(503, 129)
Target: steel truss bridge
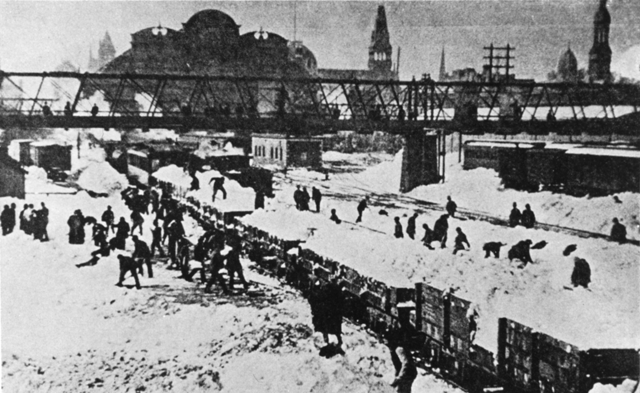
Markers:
point(183, 102)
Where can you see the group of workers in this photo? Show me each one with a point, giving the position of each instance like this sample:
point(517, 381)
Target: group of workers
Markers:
point(302, 198)
point(32, 221)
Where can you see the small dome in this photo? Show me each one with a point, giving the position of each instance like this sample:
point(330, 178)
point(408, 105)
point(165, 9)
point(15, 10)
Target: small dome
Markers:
point(567, 65)
point(208, 19)
point(602, 15)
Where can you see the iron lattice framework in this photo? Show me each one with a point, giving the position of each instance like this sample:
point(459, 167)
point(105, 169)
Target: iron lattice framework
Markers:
point(214, 102)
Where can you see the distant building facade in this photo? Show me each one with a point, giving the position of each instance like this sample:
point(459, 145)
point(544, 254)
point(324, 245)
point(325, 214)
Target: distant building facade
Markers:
point(210, 43)
point(283, 151)
point(380, 65)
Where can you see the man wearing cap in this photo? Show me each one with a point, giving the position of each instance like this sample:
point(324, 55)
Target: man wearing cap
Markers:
point(128, 264)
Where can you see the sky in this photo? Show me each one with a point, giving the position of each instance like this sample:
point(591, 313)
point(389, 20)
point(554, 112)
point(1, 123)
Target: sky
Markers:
point(39, 35)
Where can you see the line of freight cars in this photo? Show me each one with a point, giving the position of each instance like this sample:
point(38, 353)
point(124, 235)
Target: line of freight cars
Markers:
point(526, 361)
point(577, 169)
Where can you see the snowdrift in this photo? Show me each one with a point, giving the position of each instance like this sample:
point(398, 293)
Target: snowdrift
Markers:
point(102, 178)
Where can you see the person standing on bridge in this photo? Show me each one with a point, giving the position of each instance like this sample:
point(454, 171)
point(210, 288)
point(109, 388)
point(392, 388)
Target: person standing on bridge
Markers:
point(67, 110)
point(528, 219)
point(361, 208)
point(451, 207)
point(95, 110)
point(514, 216)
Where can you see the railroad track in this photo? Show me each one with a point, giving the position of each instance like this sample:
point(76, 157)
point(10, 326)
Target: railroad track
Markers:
point(355, 193)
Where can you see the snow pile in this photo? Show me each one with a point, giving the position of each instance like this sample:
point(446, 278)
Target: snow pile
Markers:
point(627, 386)
point(238, 198)
point(173, 174)
point(102, 178)
point(35, 173)
point(36, 182)
point(207, 150)
point(384, 177)
point(480, 190)
point(286, 223)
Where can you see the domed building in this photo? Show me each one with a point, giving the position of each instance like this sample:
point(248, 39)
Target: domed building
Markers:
point(210, 43)
point(567, 66)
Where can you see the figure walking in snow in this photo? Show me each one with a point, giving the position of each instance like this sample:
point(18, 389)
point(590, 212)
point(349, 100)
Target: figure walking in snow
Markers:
point(218, 185)
point(334, 217)
point(297, 197)
point(108, 218)
point(361, 208)
point(514, 216)
point(451, 207)
point(217, 263)
point(581, 275)
point(521, 251)
point(428, 236)
point(326, 303)
point(156, 241)
point(402, 360)
point(142, 255)
point(492, 248)
point(618, 232)
point(440, 229)
point(44, 222)
point(137, 220)
point(128, 265)
point(234, 267)
point(4, 219)
point(398, 228)
point(411, 226)
point(528, 219)
point(304, 199)
point(460, 241)
point(316, 195)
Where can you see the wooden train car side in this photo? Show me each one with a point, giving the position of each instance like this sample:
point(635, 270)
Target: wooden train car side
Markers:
point(603, 171)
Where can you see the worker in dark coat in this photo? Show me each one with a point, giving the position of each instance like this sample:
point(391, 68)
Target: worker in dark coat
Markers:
point(411, 226)
point(316, 195)
point(44, 222)
point(12, 217)
point(440, 229)
point(234, 267)
point(361, 208)
point(218, 185)
point(334, 217)
point(402, 360)
point(76, 228)
point(137, 220)
point(128, 264)
point(175, 231)
point(108, 218)
point(259, 201)
point(521, 251)
point(195, 183)
point(304, 199)
point(428, 236)
point(514, 216)
point(183, 256)
point(156, 242)
point(23, 219)
point(99, 234)
point(528, 219)
point(28, 227)
point(326, 303)
point(398, 228)
point(217, 263)
point(451, 207)
point(142, 255)
point(581, 275)
point(122, 228)
point(297, 197)
point(460, 241)
point(4, 220)
point(618, 232)
point(492, 248)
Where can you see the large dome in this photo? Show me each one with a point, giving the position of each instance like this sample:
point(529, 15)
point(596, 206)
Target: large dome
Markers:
point(209, 19)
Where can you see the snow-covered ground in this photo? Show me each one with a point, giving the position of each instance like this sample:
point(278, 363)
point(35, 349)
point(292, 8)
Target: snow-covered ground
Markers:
point(71, 330)
point(606, 315)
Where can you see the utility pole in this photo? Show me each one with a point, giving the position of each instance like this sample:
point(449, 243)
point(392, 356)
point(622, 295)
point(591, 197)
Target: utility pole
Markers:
point(495, 61)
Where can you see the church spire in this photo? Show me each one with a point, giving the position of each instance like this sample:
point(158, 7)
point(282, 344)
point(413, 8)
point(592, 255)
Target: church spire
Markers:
point(380, 49)
point(443, 69)
point(600, 53)
point(106, 51)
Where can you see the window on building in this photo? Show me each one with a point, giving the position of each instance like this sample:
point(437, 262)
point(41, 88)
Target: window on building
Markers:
point(276, 153)
point(271, 152)
point(281, 156)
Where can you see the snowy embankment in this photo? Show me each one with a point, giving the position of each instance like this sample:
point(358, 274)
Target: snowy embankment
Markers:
point(69, 329)
point(102, 178)
point(604, 316)
point(239, 198)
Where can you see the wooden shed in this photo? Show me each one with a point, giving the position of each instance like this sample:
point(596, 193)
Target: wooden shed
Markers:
point(283, 151)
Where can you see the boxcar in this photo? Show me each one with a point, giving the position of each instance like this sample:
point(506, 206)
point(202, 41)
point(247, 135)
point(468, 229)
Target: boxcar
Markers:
point(603, 170)
point(145, 159)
